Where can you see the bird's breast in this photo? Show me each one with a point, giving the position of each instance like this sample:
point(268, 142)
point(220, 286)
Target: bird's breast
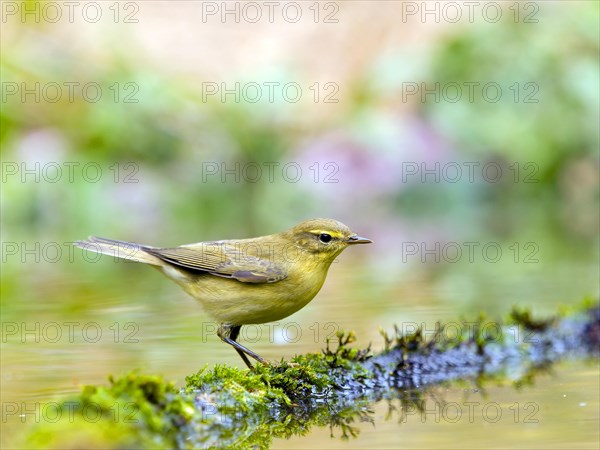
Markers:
point(231, 301)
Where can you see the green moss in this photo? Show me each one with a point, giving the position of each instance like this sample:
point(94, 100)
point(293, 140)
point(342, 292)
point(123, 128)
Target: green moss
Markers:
point(286, 382)
point(480, 332)
point(521, 316)
point(133, 409)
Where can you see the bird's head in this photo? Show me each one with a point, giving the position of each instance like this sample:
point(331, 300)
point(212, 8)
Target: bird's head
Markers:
point(324, 238)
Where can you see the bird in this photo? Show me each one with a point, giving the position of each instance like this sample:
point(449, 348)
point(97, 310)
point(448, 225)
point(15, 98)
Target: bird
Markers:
point(245, 281)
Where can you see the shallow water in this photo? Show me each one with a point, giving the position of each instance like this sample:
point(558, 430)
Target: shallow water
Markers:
point(60, 333)
point(560, 410)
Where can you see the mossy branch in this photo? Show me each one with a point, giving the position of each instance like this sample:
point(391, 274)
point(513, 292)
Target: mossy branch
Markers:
point(226, 406)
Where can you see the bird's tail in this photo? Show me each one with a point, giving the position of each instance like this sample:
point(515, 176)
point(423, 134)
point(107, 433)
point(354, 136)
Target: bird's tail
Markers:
point(119, 249)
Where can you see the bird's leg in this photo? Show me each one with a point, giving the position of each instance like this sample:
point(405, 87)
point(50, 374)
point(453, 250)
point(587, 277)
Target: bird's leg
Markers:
point(233, 335)
point(229, 333)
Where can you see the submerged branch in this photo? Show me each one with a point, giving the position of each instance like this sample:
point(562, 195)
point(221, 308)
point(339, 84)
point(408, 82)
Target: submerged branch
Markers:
point(227, 406)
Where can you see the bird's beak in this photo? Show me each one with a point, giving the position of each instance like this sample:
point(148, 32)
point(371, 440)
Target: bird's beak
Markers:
point(358, 240)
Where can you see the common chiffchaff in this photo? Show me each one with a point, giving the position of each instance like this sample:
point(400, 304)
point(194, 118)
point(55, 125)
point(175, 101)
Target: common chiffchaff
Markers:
point(246, 281)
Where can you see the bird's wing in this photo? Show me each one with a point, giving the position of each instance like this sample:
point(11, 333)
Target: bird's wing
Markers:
point(222, 260)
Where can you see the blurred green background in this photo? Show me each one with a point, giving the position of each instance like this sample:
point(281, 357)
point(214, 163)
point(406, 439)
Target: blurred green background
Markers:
point(391, 104)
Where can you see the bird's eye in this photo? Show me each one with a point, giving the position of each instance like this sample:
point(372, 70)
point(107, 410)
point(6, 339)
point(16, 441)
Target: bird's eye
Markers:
point(325, 238)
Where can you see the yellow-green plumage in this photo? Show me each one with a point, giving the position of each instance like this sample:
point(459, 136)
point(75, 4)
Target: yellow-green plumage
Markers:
point(246, 281)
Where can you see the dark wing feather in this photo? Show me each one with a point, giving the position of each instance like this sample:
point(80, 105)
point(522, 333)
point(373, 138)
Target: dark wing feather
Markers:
point(221, 260)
